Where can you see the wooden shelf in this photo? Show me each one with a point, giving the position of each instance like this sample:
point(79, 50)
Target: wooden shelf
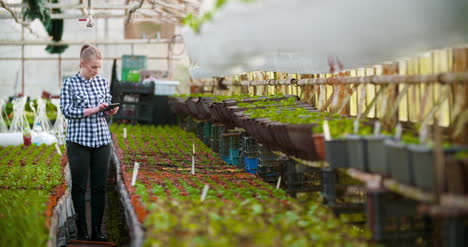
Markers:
point(231, 134)
point(454, 201)
point(373, 181)
point(409, 191)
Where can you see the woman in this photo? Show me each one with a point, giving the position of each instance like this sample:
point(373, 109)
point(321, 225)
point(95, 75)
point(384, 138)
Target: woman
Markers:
point(83, 100)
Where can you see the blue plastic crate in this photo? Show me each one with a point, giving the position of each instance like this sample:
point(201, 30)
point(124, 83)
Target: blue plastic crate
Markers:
point(233, 153)
point(234, 161)
point(253, 171)
point(251, 163)
point(226, 159)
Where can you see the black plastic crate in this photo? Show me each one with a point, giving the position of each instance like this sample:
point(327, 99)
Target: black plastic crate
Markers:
point(206, 133)
point(224, 146)
point(144, 113)
point(269, 170)
point(301, 178)
point(249, 147)
point(394, 221)
point(199, 131)
point(265, 153)
point(341, 192)
point(215, 138)
point(136, 88)
point(234, 140)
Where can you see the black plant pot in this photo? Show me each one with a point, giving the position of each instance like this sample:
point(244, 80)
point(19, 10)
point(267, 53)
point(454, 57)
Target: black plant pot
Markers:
point(398, 161)
point(302, 141)
point(336, 153)
point(376, 155)
point(357, 152)
point(422, 161)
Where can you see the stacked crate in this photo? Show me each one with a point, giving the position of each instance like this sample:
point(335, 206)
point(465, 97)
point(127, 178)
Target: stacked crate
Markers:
point(269, 164)
point(249, 154)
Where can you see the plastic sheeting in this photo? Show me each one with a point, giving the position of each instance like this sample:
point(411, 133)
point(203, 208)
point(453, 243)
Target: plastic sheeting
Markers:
point(299, 36)
point(134, 226)
point(16, 138)
point(62, 223)
point(60, 124)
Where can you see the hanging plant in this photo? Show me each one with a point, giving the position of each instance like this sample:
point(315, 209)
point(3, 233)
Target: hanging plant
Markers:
point(37, 10)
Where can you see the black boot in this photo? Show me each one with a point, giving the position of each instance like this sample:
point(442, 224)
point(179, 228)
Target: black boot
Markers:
point(82, 229)
point(97, 235)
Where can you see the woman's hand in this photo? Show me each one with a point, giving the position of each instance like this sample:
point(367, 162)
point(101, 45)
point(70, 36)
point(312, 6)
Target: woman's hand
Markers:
point(112, 112)
point(94, 110)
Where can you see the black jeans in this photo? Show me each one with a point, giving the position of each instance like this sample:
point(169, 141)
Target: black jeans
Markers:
point(85, 161)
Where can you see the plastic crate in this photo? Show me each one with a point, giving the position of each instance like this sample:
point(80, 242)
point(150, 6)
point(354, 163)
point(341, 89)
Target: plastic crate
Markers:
point(302, 178)
point(224, 146)
point(135, 88)
point(206, 133)
point(199, 129)
point(269, 170)
point(234, 161)
point(265, 154)
point(214, 144)
point(394, 221)
point(233, 153)
point(253, 171)
point(342, 193)
point(226, 159)
point(251, 163)
point(249, 147)
point(234, 141)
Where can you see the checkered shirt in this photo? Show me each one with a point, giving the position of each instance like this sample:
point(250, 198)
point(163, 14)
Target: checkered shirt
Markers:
point(76, 95)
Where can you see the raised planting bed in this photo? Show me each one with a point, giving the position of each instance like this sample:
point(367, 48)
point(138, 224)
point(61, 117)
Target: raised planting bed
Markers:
point(35, 204)
point(239, 209)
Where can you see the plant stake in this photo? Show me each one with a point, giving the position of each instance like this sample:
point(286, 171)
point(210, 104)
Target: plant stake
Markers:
point(204, 192)
point(193, 158)
point(125, 133)
point(279, 182)
point(58, 149)
point(377, 126)
point(326, 131)
point(135, 173)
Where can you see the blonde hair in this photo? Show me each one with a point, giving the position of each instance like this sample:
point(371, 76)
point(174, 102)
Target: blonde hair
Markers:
point(88, 52)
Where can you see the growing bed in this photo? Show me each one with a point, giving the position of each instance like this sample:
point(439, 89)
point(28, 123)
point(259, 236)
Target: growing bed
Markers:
point(239, 209)
point(35, 203)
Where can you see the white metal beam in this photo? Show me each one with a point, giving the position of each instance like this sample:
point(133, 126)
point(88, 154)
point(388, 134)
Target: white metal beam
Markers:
point(99, 42)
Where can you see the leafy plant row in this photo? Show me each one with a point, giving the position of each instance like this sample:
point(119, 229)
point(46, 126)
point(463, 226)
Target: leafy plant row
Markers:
point(239, 209)
point(31, 180)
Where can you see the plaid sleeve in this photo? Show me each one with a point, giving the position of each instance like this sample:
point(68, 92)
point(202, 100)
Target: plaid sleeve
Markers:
point(66, 103)
point(108, 94)
point(107, 97)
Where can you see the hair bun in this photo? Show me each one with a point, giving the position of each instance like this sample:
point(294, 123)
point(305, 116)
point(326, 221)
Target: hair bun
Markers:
point(84, 47)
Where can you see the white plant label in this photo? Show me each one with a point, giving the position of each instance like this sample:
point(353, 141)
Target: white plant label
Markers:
point(125, 133)
point(398, 131)
point(326, 131)
point(57, 148)
point(355, 126)
point(135, 173)
point(204, 192)
point(423, 132)
point(377, 127)
point(193, 147)
point(193, 164)
point(279, 183)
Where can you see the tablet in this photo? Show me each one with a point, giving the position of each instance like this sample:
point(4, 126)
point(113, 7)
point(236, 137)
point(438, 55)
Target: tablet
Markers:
point(111, 106)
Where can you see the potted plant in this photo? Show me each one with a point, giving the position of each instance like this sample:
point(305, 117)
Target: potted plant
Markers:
point(357, 148)
point(398, 158)
point(336, 149)
point(422, 160)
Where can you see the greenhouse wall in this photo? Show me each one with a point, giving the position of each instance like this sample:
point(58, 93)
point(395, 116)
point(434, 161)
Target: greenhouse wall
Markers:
point(44, 71)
